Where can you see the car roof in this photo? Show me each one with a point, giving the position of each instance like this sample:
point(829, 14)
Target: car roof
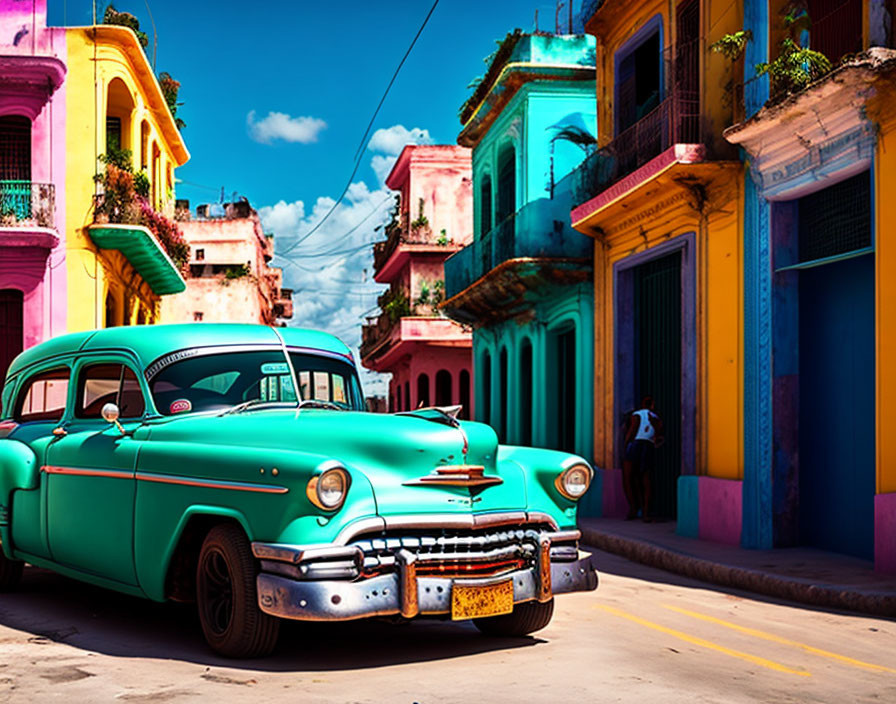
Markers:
point(149, 342)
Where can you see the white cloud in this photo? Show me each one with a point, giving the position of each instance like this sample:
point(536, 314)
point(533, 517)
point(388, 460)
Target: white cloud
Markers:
point(391, 140)
point(382, 165)
point(279, 125)
point(335, 291)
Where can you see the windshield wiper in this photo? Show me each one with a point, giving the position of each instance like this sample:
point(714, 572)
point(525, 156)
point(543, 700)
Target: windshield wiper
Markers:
point(320, 403)
point(248, 404)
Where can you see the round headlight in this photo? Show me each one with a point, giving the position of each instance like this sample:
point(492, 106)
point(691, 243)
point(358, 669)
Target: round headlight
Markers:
point(327, 490)
point(574, 481)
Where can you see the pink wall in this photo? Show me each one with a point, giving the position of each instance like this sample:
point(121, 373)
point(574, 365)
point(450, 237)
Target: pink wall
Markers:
point(614, 504)
point(721, 510)
point(885, 533)
point(430, 359)
point(34, 257)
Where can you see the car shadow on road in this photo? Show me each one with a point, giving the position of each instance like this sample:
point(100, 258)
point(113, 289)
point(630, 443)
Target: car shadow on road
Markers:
point(53, 608)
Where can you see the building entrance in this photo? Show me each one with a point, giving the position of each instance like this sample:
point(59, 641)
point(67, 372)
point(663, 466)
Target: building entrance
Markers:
point(658, 342)
point(837, 407)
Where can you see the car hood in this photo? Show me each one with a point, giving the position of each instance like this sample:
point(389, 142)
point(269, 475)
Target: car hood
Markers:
point(393, 452)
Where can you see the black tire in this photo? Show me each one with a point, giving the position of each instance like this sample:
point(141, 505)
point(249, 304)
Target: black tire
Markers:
point(526, 618)
point(227, 599)
point(10, 573)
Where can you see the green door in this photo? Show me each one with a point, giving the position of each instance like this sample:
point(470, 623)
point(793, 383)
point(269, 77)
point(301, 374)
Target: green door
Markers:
point(90, 473)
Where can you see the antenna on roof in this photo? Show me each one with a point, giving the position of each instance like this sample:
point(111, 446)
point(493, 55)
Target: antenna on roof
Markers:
point(221, 200)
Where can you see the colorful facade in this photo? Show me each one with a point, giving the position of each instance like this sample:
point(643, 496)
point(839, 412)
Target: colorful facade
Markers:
point(32, 179)
point(662, 197)
point(228, 276)
point(64, 94)
point(427, 354)
point(820, 466)
point(118, 271)
point(525, 282)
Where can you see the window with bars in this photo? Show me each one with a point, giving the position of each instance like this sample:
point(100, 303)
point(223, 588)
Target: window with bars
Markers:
point(15, 148)
point(836, 220)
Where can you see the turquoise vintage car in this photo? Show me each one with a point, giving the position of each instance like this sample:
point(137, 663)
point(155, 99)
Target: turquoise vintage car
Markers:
point(233, 466)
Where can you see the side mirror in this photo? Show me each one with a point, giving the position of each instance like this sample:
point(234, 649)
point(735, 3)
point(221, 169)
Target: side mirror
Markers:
point(110, 414)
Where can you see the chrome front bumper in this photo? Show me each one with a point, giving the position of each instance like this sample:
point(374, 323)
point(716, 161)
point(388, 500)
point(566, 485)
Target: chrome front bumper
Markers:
point(401, 592)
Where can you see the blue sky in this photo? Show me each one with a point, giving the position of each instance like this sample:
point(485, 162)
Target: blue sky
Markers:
point(277, 95)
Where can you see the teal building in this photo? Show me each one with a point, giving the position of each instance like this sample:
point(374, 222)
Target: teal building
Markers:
point(525, 283)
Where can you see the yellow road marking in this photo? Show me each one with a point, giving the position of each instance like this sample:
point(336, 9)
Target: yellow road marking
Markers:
point(770, 664)
point(783, 641)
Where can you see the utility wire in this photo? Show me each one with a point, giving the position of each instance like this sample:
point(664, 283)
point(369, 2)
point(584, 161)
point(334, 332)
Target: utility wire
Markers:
point(366, 132)
point(342, 236)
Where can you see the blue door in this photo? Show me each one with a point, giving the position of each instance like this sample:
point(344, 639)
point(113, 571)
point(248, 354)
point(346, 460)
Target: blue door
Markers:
point(837, 407)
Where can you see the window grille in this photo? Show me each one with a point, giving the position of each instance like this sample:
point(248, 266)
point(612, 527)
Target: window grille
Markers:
point(836, 220)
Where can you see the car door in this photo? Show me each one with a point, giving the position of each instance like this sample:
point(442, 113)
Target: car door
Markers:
point(90, 473)
point(38, 411)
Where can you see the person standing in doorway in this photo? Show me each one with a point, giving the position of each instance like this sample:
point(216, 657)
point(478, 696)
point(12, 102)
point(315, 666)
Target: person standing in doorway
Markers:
point(645, 434)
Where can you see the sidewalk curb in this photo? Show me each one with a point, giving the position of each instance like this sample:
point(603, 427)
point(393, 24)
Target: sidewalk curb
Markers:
point(790, 588)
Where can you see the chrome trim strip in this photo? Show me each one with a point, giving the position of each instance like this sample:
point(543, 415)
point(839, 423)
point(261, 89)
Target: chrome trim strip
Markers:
point(168, 359)
point(298, 553)
point(539, 517)
point(441, 520)
point(211, 483)
point(84, 472)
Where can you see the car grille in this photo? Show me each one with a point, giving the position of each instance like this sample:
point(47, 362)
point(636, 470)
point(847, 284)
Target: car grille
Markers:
point(456, 553)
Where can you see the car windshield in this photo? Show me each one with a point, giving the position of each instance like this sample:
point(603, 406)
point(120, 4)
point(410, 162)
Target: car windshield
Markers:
point(197, 380)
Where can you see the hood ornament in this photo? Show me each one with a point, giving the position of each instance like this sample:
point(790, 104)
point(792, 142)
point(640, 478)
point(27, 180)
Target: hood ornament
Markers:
point(468, 475)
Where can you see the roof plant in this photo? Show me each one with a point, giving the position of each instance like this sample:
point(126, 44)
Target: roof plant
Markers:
point(795, 66)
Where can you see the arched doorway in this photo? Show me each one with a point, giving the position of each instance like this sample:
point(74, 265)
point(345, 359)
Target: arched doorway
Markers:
point(525, 387)
point(423, 391)
point(443, 388)
point(464, 400)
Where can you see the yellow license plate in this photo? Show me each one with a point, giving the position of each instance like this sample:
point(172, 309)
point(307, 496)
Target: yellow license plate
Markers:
point(479, 601)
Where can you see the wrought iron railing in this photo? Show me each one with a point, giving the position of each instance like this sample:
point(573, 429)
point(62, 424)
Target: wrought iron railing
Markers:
point(401, 233)
point(676, 120)
point(374, 332)
point(24, 202)
point(533, 232)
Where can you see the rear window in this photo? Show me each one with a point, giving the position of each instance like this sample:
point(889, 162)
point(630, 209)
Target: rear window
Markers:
point(100, 384)
point(43, 397)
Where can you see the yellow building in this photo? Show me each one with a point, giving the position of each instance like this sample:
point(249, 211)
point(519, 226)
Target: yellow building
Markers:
point(662, 197)
point(116, 270)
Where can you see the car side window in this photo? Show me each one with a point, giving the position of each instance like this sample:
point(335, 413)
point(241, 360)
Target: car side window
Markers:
point(43, 396)
point(99, 384)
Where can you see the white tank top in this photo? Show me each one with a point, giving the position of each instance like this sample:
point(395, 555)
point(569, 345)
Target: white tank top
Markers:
point(646, 430)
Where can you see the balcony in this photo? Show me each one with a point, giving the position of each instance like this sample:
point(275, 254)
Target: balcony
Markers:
point(676, 120)
point(531, 233)
point(27, 204)
point(283, 305)
point(385, 341)
point(403, 240)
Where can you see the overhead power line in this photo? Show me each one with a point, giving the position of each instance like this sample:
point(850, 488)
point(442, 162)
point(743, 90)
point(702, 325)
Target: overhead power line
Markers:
point(360, 152)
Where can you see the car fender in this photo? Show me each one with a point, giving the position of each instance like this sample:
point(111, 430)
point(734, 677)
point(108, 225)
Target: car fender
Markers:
point(153, 581)
point(542, 467)
point(19, 469)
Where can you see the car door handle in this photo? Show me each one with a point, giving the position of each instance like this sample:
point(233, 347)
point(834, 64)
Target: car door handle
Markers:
point(60, 432)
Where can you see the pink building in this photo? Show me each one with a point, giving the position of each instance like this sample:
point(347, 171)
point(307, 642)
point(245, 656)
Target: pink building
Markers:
point(428, 355)
point(228, 278)
point(32, 178)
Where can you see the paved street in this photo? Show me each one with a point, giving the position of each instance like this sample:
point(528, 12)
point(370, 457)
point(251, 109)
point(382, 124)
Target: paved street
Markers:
point(645, 635)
